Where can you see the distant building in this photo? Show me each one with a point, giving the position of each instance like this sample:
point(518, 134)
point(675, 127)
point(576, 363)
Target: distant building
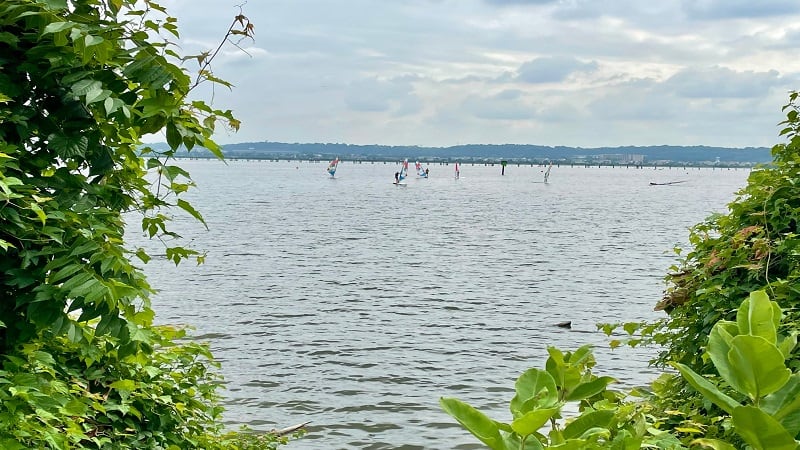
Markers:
point(619, 158)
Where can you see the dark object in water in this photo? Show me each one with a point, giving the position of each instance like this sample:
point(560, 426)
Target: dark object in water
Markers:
point(567, 324)
point(652, 183)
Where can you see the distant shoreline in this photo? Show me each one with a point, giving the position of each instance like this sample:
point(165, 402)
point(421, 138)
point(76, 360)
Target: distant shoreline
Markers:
point(498, 162)
point(656, 155)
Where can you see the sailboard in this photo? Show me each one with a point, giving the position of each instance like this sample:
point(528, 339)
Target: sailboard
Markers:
point(547, 172)
point(402, 174)
point(458, 171)
point(332, 167)
point(422, 173)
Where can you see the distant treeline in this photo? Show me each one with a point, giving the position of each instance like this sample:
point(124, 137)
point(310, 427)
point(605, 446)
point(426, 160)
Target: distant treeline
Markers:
point(494, 152)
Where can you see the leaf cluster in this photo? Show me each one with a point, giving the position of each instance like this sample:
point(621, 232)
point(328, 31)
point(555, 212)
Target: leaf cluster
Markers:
point(81, 82)
point(605, 419)
point(755, 246)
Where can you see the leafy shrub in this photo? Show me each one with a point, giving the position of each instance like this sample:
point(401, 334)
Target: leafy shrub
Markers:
point(755, 246)
point(82, 365)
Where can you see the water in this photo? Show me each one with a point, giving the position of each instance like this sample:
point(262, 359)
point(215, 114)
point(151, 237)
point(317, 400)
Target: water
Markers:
point(355, 304)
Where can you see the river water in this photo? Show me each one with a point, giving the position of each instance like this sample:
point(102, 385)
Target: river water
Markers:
point(355, 304)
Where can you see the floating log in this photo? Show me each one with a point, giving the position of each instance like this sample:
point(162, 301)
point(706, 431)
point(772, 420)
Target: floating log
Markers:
point(289, 430)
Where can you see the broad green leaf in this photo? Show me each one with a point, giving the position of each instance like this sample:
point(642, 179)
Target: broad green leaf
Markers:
point(760, 430)
point(784, 405)
point(74, 408)
point(624, 440)
point(533, 384)
point(174, 138)
point(69, 146)
point(482, 427)
point(84, 86)
point(55, 27)
point(186, 206)
point(97, 96)
point(56, 5)
point(581, 356)
point(142, 255)
point(11, 444)
point(719, 345)
point(756, 317)
point(124, 385)
point(757, 366)
point(787, 343)
point(587, 421)
point(532, 421)
point(705, 387)
point(714, 444)
point(39, 212)
point(589, 389)
point(90, 40)
point(571, 444)
point(630, 327)
point(213, 147)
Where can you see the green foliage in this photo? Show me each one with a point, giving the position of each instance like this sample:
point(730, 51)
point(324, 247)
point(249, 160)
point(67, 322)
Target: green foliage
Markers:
point(747, 356)
point(82, 81)
point(56, 393)
point(755, 246)
point(605, 420)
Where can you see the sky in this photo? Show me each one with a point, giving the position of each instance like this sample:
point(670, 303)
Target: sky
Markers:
point(580, 73)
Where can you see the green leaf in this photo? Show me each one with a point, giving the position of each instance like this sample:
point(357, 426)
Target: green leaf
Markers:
point(587, 421)
point(186, 206)
point(213, 147)
point(174, 138)
point(85, 86)
point(39, 213)
point(787, 343)
point(571, 444)
point(11, 444)
point(532, 421)
point(756, 317)
point(719, 345)
point(714, 444)
point(534, 389)
point(705, 387)
point(69, 146)
point(90, 40)
point(630, 327)
point(124, 385)
point(757, 366)
point(589, 389)
point(482, 427)
point(760, 430)
point(56, 5)
point(784, 405)
point(55, 27)
point(97, 96)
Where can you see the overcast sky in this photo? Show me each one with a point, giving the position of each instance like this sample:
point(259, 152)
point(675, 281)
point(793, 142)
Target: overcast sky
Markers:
point(584, 73)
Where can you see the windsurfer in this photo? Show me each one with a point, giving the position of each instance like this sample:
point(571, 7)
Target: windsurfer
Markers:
point(397, 178)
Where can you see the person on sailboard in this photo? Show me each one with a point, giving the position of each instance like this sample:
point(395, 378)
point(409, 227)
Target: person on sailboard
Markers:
point(397, 178)
point(426, 172)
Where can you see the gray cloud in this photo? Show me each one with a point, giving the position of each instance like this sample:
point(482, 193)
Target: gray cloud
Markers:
point(727, 9)
point(505, 105)
point(520, 2)
point(440, 72)
point(721, 82)
point(374, 95)
point(551, 69)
